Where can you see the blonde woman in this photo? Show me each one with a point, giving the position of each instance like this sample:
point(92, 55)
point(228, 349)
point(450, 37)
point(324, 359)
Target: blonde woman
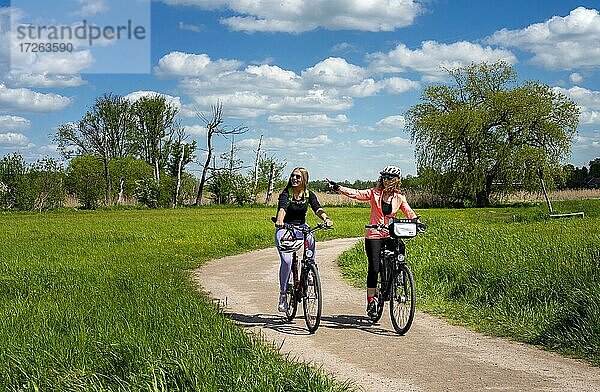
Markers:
point(292, 208)
point(386, 199)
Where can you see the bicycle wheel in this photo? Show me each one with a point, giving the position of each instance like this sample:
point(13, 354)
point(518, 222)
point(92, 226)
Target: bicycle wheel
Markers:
point(312, 300)
point(292, 299)
point(402, 301)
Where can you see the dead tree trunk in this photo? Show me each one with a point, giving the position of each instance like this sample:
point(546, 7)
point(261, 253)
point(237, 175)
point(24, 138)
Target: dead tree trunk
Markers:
point(271, 183)
point(255, 184)
point(178, 187)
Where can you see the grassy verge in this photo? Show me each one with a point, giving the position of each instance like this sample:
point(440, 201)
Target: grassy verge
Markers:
point(102, 301)
point(510, 272)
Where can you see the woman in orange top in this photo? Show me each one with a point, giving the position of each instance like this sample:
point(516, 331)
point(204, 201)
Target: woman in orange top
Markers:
point(385, 200)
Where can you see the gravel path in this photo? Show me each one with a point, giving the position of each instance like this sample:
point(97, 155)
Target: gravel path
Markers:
point(433, 356)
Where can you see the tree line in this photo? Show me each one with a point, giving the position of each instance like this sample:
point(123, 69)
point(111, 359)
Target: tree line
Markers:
point(483, 132)
point(122, 152)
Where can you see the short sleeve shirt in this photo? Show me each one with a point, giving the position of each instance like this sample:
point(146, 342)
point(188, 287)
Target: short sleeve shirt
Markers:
point(295, 210)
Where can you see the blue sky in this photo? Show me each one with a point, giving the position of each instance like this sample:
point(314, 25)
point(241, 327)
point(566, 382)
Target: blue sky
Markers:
point(326, 82)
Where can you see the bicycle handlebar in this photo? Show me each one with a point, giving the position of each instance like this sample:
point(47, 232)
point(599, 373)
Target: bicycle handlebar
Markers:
point(303, 229)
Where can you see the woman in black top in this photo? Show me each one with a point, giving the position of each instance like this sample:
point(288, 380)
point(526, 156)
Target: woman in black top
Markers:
point(292, 208)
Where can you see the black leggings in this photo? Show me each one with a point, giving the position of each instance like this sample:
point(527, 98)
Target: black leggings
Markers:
point(373, 250)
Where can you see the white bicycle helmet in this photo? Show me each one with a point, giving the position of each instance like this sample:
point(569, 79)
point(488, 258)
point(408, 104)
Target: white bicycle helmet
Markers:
point(391, 171)
point(290, 244)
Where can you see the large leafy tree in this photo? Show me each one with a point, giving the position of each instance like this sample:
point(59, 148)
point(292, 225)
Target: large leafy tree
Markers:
point(154, 130)
point(485, 130)
point(103, 132)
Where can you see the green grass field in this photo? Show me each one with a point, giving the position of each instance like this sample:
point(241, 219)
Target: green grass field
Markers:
point(509, 272)
point(103, 301)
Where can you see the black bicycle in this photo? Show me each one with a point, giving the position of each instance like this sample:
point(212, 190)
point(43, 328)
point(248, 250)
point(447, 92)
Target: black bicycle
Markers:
point(395, 282)
point(304, 285)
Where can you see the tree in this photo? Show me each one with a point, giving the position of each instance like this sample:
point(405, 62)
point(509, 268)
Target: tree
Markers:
point(485, 130)
point(102, 132)
point(154, 129)
point(12, 170)
point(85, 180)
point(182, 153)
point(214, 126)
point(595, 168)
point(42, 186)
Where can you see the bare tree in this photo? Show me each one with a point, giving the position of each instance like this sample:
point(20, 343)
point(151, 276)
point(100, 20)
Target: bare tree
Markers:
point(214, 126)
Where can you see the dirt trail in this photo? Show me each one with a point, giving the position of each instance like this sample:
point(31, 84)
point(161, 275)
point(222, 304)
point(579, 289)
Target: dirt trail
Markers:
point(433, 356)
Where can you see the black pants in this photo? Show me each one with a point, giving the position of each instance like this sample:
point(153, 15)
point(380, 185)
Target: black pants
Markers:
point(373, 250)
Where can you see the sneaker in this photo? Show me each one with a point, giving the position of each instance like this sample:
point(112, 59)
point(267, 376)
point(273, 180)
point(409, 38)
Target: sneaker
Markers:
point(372, 308)
point(283, 305)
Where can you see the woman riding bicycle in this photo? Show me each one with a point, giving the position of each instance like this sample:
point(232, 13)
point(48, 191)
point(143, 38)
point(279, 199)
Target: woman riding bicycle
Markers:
point(386, 199)
point(292, 208)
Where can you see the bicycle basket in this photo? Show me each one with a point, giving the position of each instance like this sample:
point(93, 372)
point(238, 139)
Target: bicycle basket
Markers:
point(402, 228)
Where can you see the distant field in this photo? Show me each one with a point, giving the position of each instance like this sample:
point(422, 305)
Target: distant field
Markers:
point(510, 272)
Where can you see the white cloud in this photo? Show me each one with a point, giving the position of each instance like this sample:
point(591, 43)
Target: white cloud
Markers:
point(560, 42)
point(368, 143)
point(328, 86)
point(91, 7)
point(196, 130)
point(30, 101)
point(432, 57)
point(14, 123)
point(313, 142)
point(45, 80)
point(390, 143)
point(588, 101)
point(390, 123)
point(334, 71)
point(308, 120)
point(17, 139)
point(576, 77)
point(295, 16)
point(134, 96)
point(185, 64)
point(191, 27)
point(396, 141)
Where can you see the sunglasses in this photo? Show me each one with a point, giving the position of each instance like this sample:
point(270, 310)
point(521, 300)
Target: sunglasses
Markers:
point(388, 177)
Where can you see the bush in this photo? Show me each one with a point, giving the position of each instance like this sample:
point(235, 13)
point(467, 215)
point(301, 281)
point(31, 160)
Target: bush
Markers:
point(85, 180)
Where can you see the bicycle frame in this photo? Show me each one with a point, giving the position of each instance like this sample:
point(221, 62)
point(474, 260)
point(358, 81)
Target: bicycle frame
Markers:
point(305, 289)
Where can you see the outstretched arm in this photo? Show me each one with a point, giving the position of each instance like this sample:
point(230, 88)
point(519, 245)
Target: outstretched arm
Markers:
point(358, 194)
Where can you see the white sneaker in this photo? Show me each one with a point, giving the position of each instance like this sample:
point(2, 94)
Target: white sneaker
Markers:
point(283, 305)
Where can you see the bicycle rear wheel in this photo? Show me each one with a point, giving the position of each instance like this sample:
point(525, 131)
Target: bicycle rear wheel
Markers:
point(402, 301)
point(312, 300)
point(292, 299)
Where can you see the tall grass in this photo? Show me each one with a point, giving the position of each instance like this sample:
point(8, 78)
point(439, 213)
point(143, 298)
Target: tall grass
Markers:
point(510, 272)
point(102, 301)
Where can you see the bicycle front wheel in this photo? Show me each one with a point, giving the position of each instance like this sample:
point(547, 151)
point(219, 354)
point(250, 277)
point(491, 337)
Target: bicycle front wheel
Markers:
point(312, 300)
point(402, 301)
point(379, 294)
point(291, 294)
